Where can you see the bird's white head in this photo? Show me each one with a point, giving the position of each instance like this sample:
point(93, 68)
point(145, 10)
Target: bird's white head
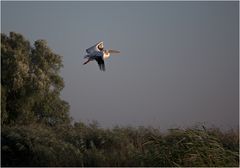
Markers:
point(108, 52)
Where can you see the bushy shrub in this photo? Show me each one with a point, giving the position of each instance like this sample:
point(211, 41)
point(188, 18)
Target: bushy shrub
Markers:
point(36, 145)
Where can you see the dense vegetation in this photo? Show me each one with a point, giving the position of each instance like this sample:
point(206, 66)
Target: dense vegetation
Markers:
point(36, 129)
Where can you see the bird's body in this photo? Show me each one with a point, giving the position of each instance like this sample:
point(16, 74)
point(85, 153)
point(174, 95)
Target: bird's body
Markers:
point(98, 54)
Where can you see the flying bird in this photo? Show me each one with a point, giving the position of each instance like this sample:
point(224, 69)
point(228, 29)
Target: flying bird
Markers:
point(98, 54)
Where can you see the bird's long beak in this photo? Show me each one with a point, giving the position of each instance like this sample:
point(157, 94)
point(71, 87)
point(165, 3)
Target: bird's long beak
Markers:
point(113, 51)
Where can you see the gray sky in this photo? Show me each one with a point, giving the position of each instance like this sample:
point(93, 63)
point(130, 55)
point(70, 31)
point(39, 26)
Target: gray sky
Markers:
point(178, 64)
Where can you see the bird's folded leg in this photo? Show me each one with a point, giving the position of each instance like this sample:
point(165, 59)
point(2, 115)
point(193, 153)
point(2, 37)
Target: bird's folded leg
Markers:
point(86, 62)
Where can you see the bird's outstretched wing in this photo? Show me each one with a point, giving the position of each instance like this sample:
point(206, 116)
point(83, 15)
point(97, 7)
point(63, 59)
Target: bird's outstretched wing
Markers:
point(100, 62)
point(97, 47)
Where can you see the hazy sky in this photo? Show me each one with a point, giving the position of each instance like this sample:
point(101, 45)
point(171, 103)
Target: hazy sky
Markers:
point(178, 64)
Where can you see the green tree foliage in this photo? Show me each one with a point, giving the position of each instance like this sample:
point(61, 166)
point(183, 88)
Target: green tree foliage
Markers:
point(36, 128)
point(30, 83)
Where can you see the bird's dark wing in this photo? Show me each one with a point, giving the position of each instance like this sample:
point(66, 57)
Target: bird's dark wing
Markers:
point(97, 47)
point(100, 62)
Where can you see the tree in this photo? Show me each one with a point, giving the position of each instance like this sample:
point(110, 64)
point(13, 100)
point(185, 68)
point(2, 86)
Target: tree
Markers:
point(30, 83)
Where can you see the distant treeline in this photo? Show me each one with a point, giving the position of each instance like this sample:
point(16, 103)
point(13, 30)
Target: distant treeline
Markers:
point(36, 129)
